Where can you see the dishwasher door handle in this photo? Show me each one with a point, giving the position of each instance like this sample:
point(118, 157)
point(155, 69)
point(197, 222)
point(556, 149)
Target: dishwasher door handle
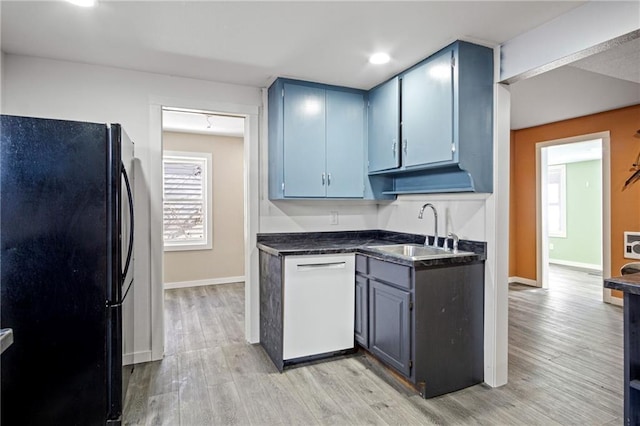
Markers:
point(315, 266)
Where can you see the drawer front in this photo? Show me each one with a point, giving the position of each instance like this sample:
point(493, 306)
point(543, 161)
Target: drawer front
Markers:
point(361, 264)
point(392, 273)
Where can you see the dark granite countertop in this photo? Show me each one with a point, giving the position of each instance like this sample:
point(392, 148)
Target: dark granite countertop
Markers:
point(627, 283)
point(312, 243)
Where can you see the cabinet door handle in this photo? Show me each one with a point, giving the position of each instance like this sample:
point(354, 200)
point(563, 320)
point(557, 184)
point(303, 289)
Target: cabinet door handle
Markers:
point(393, 147)
point(328, 179)
point(404, 146)
point(323, 179)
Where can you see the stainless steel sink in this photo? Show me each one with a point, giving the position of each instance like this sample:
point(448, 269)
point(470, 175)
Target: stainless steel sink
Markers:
point(419, 252)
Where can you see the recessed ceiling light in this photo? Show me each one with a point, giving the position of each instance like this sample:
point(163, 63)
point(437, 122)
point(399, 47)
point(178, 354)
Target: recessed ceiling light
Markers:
point(379, 58)
point(84, 3)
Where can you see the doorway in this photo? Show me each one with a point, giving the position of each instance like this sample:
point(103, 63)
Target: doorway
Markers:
point(250, 195)
point(573, 214)
point(203, 231)
point(203, 208)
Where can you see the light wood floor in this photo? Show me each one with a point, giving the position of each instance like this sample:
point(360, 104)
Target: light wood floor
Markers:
point(565, 367)
point(575, 282)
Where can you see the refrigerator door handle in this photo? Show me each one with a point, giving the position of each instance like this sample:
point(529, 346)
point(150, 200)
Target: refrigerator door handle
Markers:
point(124, 296)
point(115, 305)
point(130, 248)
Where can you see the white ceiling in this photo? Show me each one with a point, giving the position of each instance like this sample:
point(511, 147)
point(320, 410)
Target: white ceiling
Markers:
point(574, 152)
point(621, 62)
point(601, 82)
point(568, 92)
point(251, 43)
point(202, 122)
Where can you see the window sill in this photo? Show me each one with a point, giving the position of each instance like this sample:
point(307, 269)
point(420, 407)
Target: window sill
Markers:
point(187, 247)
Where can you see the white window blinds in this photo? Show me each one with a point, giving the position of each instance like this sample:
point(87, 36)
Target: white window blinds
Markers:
point(186, 200)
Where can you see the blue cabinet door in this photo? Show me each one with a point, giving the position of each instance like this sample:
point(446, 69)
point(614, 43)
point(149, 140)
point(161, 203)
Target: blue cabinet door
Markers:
point(304, 141)
point(345, 144)
point(389, 319)
point(427, 111)
point(384, 126)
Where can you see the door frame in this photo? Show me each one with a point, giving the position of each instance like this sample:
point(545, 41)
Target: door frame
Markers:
point(542, 239)
point(251, 211)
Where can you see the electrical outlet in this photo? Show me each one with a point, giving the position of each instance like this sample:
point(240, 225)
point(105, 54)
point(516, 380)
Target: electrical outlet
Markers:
point(333, 218)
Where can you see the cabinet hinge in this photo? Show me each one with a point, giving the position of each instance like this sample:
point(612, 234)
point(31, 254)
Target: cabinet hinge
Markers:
point(453, 61)
point(283, 92)
point(453, 147)
point(411, 306)
point(410, 364)
point(283, 186)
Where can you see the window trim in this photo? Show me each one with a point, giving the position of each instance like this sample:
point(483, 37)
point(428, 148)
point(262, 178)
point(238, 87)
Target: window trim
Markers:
point(562, 203)
point(208, 190)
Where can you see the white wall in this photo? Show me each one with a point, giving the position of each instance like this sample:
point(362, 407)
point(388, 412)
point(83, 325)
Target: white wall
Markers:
point(462, 214)
point(65, 90)
point(314, 216)
point(1, 77)
point(224, 261)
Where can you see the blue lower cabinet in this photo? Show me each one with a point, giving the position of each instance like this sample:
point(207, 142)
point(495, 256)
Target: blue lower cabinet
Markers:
point(389, 319)
point(316, 141)
point(425, 322)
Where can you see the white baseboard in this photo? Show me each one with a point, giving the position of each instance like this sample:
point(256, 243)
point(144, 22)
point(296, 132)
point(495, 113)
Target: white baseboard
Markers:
point(525, 281)
point(573, 264)
point(197, 283)
point(618, 301)
point(136, 357)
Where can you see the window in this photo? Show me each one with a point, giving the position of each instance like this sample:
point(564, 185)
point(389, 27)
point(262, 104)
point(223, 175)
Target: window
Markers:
point(557, 200)
point(186, 200)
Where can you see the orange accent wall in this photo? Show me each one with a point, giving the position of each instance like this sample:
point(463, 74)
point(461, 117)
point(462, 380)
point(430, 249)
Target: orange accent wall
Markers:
point(622, 125)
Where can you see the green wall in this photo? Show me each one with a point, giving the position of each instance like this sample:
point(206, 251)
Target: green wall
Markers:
point(583, 243)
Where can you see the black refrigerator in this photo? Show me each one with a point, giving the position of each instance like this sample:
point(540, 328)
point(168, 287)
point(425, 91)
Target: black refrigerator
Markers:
point(66, 262)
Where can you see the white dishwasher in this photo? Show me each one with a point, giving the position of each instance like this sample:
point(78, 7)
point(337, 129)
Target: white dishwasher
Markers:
point(319, 303)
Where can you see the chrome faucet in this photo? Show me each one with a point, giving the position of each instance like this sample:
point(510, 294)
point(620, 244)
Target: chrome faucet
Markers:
point(455, 240)
point(435, 224)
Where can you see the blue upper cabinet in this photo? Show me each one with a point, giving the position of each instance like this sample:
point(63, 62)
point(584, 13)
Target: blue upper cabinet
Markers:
point(446, 123)
point(429, 129)
point(316, 141)
point(427, 111)
point(345, 144)
point(384, 126)
point(304, 141)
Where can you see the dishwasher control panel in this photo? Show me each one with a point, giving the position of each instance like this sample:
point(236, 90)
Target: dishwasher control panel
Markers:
point(632, 245)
